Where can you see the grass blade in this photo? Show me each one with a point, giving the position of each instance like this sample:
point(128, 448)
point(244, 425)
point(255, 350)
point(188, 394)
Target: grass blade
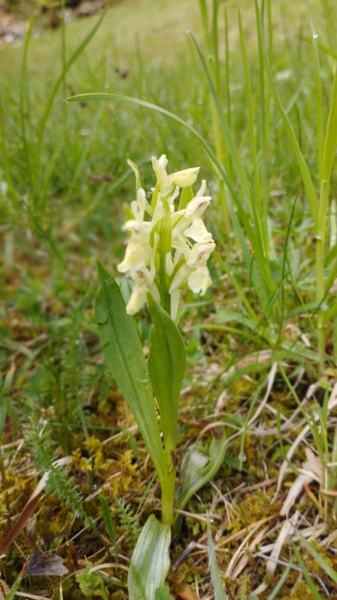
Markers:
point(319, 558)
point(307, 576)
point(22, 100)
point(57, 84)
point(281, 582)
point(217, 581)
point(248, 228)
point(242, 176)
point(320, 134)
point(308, 184)
point(86, 148)
point(108, 522)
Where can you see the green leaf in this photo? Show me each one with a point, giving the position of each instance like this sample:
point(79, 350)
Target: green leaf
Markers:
point(16, 584)
point(166, 364)
point(163, 593)
point(331, 135)
point(6, 386)
point(217, 581)
point(306, 574)
point(217, 451)
point(49, 104)
point(108, 523)
point(123, 352)
point(150, 560)
point(319, 559)
point(194, 460)
point(3, 414)
point(279, 585)
point(306, 177)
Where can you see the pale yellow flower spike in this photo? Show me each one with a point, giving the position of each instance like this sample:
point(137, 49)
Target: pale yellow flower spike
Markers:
point(183, 261)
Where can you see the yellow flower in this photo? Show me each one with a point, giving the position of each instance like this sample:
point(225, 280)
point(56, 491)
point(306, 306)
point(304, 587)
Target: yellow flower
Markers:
point(166, 182)
point(163, 230)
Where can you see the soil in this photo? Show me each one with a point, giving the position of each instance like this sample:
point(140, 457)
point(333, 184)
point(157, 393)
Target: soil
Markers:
point(14, 23)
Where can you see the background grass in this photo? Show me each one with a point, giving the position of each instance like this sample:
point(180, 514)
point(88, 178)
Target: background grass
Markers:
point(62, 208)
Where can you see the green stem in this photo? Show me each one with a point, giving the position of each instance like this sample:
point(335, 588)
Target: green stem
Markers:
point(5, 487)
point(333, 475)
point(16, 584)
point(164, 294)
point(335, 340)
point(168, 484)
point(167, 493)
point(237, 286)
point(320, 292)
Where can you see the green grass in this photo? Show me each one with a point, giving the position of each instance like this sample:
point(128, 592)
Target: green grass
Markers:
point(259, 102)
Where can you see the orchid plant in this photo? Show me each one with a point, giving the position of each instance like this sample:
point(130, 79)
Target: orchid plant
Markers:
point(167, 252)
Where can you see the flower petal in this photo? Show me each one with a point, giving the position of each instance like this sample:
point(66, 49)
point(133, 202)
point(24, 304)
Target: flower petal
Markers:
point(199, 280)
point(159, 167)
point(137, 299)
point(185, 178)
point(134, 257)
point(141, 201)
point(180, 278)
point(139, 231)
point(142, 276)
point(200, 254)
point(175, 305)
point(198, 232)
point(202, 189)
point(197, 206)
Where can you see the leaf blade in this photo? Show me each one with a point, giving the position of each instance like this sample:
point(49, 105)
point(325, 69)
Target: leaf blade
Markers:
point(166, 363)
point(219, 591)
point(124, 355)
point(217, 451)
point(320, 560)
point(150, 560)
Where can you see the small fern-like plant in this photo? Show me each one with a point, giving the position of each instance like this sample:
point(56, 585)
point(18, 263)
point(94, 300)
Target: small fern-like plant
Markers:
point(129, 522)
point(59, 483)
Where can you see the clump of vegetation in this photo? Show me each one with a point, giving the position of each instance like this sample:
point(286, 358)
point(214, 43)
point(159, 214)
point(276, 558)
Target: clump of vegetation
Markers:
point(253, 102)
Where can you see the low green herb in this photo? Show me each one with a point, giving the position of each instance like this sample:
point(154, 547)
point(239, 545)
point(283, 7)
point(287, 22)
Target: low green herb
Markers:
point(167, 252)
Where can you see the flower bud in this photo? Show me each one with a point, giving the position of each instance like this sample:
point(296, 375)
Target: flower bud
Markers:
point(159, 167)
point(136, 172)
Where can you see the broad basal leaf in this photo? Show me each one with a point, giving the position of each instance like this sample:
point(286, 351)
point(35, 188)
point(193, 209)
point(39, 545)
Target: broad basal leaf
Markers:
point(124, 355)
point(150, 560)
point(166, 363)
point(197, 477)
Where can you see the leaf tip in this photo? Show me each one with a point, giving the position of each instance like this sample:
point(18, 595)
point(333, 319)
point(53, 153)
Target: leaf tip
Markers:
point(103, 274)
